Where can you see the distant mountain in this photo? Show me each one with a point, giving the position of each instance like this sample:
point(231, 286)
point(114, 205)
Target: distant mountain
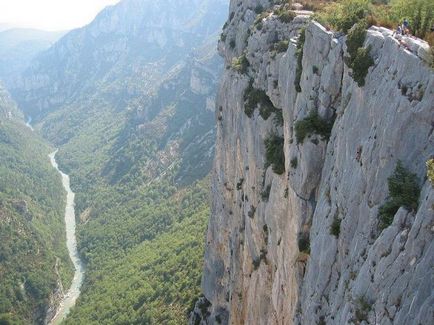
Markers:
point(18, 46)
point(124, 53)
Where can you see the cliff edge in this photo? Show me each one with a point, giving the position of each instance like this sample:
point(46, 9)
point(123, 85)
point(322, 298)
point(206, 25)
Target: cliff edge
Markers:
point(303, 157)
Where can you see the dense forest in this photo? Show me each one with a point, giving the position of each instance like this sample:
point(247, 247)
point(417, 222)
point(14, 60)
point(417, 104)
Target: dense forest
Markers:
point(140, 233)
point(32, 245)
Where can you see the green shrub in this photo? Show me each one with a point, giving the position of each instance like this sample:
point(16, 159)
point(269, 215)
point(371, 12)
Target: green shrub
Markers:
point(363, 307)
point(404, 192)
point(344, 14)
point(232, 43)
point(274, 153)
point(278, 117)
point(335, 228)
point(299, 55)
point(259, 9)
point(254, 97)
point(355, 39)
point(304, 243)
point(294, 162)
point(240, 64)
point(281, 46)
point(359, 59)
point(312, 124)
point(361, 64)
point(285, 16)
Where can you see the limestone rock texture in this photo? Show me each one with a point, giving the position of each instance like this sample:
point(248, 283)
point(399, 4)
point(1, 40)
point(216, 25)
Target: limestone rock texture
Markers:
point(254, 271)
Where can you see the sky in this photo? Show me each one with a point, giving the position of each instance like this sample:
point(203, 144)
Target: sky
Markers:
point(51, 14)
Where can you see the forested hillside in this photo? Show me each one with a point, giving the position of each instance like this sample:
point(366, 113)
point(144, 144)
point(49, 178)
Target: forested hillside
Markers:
point(129, 101)
point(34, 262)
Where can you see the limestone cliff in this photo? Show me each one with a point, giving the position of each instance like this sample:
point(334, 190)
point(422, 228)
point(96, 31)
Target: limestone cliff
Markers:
point(273, 253)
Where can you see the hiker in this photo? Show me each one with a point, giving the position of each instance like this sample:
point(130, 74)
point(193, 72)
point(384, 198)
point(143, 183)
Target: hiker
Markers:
point(398, 31)
point(405, 27)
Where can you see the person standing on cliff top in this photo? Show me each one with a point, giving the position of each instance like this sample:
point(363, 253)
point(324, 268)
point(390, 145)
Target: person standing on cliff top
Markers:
point(405, 27)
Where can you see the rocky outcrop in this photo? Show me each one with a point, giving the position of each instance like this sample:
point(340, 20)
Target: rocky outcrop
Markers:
point(273, 253)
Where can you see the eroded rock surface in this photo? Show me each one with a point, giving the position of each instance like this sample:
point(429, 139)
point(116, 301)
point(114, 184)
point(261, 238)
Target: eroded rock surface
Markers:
point(254, 270)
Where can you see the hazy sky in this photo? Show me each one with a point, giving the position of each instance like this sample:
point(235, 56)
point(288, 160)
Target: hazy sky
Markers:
point(51, 14)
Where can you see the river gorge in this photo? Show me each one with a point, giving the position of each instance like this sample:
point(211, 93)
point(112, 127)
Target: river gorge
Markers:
point(73, 293)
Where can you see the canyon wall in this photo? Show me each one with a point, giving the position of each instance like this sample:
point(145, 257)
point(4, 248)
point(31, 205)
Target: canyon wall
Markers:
point(301, 243)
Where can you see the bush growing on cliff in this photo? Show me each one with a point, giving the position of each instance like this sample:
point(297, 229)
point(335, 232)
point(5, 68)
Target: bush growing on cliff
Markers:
point(361, 64)
point(312, 124)
point(404, 192)
point(299, 54)
point(240, 64)
point(254, 97)
point(359, 59)
point(335, 228)
point(285, 15)
point(281, 46)
point(304, 243)
point(274, 153)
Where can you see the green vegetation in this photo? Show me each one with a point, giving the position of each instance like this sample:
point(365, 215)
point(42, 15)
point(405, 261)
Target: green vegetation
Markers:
point(335, 228)
point(259, 9)
point(142, 209)
point(363, 307)
point(294, 162)
point(404, 192)
point(360, 59)
point(144, 267)
point(299, 54)
point(274, 154)
point(419, 13)
point(240, 64)
point(281, 46)
point(284, 15)
point(342, 15)
point(430, 170)
point(253, 98)
point(304, 243)
point(32, 229)
point(312, 124)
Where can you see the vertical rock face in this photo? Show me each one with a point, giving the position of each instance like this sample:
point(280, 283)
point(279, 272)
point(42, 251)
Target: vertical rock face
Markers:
point(271, 257)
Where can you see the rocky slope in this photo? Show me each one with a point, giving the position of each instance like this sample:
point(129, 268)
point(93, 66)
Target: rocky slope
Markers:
point(124, 53)
point(301, 243)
